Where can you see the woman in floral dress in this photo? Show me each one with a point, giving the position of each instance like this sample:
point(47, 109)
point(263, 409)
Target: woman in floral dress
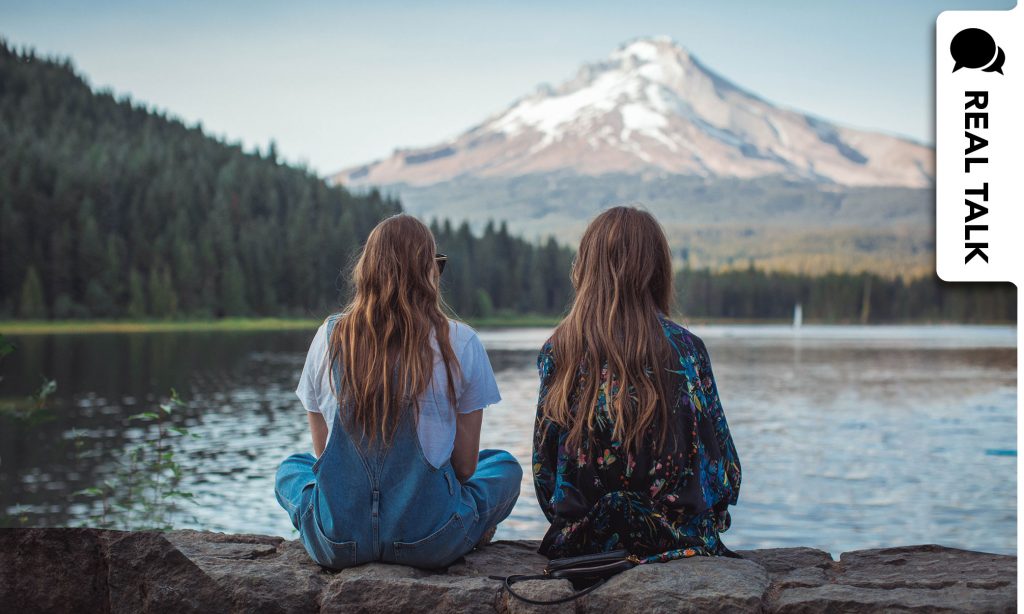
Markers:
point(631, 447)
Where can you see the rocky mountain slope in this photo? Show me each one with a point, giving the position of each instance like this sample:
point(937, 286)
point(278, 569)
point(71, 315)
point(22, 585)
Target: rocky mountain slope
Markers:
point(733, 178)
point(652, 106)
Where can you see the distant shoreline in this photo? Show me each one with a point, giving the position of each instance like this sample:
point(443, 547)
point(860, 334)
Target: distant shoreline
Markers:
point(46, 327)
point(50, 327)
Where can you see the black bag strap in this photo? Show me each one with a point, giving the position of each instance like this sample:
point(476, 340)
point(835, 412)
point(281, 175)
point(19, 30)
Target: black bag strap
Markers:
point(729, 553)
point(510, 580)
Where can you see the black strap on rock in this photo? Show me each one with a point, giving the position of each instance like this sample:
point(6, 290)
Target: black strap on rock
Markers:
point(599, 566)
point(728, 553)
point(510, 580)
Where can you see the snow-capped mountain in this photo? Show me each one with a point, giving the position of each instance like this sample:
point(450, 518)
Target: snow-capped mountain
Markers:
point(652, 106)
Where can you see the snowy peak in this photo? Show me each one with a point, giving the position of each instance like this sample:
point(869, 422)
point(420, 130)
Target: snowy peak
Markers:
point(629, 83)
point(652, 106)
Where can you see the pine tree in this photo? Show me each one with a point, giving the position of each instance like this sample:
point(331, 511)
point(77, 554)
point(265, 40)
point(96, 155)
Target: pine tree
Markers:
point(136, 296)
point(32, 304)
point(97, 299)
point(233, 289)
point(484, 307)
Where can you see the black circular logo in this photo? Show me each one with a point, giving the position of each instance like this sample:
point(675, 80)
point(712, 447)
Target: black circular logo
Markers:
point(975, 48)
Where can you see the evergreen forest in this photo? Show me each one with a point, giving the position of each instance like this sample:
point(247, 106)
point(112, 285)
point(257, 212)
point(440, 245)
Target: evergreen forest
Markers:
point(110, 209)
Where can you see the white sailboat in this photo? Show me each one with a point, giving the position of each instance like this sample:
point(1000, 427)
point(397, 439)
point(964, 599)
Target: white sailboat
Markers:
point(798, 316)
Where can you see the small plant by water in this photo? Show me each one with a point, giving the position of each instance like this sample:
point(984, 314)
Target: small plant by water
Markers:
point(145, 492)
point(33, 410)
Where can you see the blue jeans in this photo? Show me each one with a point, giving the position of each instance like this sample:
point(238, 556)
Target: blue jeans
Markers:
point(353, 506)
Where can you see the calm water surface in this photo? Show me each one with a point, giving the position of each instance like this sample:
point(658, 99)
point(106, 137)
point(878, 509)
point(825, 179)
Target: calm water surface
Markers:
point(849, 437)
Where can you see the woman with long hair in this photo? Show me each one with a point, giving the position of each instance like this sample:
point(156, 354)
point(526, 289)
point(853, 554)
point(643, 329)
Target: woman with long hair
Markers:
point(631, 447)
point(392, 389)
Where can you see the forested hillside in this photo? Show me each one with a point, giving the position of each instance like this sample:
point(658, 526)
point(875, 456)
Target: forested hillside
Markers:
point(110, 209)
point(755, 294)
point(783, 225)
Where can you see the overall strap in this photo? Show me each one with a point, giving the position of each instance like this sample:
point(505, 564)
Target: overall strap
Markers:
point(338, 430)
point(373, 456)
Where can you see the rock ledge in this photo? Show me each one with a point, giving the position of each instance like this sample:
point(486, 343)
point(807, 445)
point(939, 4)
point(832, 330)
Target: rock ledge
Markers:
point(93, 570)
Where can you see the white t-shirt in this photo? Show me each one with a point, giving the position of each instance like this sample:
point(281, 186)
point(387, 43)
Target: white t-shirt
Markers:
point(475, 389)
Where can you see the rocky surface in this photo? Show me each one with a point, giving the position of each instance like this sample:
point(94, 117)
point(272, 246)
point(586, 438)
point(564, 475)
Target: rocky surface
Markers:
point(91, 570)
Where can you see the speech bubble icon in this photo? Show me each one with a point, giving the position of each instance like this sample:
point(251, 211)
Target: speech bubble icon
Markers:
point(997, 64)
point(972, 48)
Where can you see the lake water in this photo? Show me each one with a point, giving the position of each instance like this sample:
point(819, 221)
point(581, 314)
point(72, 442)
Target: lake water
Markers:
point(849, 437)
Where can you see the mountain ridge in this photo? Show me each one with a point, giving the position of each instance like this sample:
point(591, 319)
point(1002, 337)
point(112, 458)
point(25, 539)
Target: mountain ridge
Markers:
point(651, 105)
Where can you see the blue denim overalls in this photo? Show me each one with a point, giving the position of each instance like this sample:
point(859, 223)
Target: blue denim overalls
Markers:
point(355, 505)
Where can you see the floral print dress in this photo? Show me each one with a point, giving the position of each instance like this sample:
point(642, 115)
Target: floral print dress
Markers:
point(657, 506)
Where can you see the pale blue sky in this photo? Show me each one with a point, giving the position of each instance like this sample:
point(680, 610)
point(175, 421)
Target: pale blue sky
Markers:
point(337, 84)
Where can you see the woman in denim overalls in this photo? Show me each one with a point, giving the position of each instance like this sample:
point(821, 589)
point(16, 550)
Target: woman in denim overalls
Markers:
point(398, 476)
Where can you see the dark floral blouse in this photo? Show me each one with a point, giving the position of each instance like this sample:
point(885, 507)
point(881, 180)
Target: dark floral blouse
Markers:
point(658, 506)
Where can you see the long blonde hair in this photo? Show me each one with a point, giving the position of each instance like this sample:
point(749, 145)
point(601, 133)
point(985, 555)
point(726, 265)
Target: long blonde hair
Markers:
point(623, 277)
point(382, 339)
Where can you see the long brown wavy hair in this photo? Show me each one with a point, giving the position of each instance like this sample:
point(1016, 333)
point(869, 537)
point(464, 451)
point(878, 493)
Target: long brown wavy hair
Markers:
point(623, 277)
point(382, 341)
